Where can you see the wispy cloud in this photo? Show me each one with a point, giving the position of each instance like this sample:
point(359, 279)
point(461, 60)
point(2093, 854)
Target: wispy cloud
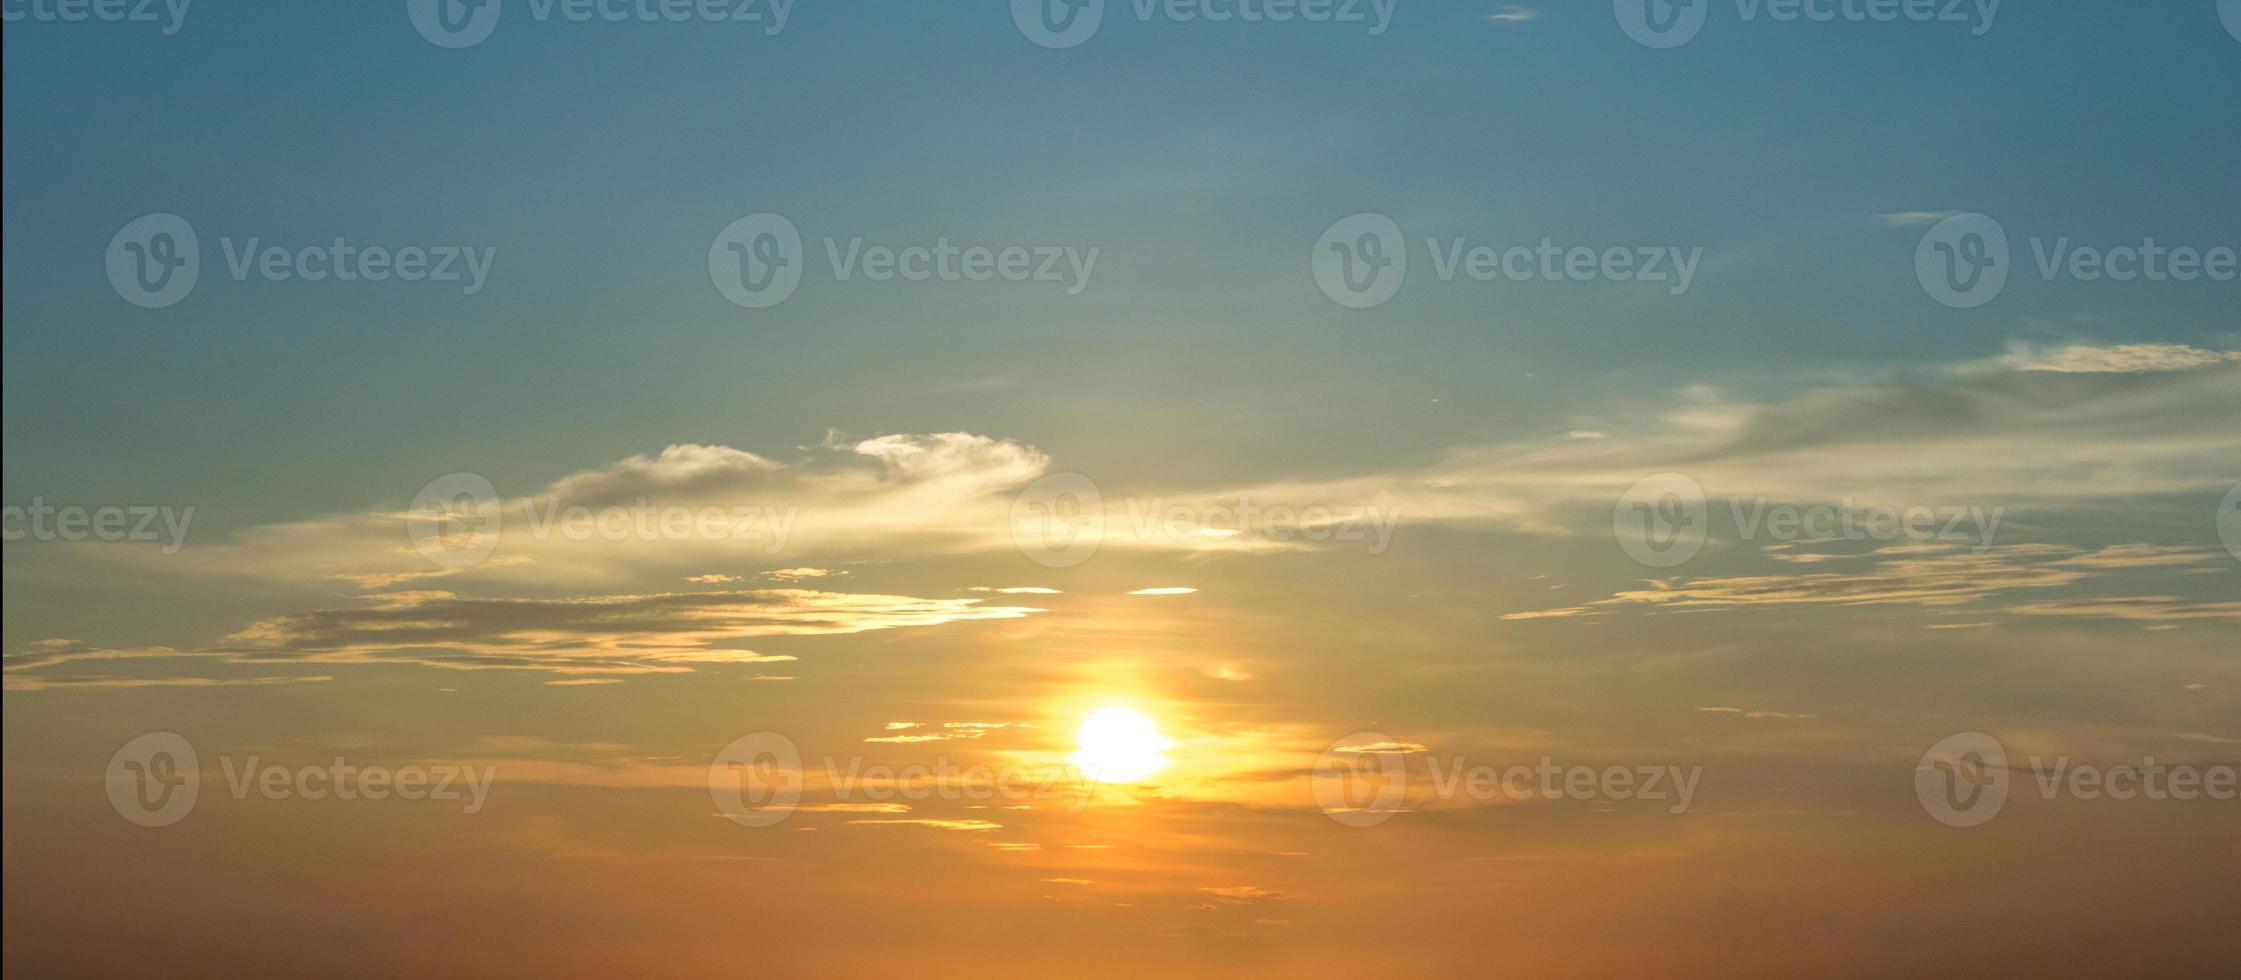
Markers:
point(1757, 715)
point(28, 682)
point(1929, 575)
point(1912, 219)
point(1978, 434)
point(949, 731)
point(889, 496)
point(973, 826)
point(614, 634)
point(2081, 358)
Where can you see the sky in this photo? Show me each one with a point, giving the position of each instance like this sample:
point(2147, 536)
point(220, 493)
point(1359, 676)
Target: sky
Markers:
point(832, 489)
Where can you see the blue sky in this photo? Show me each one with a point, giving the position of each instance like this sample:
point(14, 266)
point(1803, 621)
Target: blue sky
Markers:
point(1202, 158)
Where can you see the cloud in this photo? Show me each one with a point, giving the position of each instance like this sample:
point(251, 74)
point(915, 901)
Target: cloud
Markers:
point(1928, 575)
point(610, 634)
point(951, 731)
point(621, 633)
point(27, 683)
point(852, 808)
point(1243, 894)
point(2030, 427)
point(2119, 359)
point(1566, 613)
point(974, 826)
point(1987, 436)
point(1513, 13)
point(2135, 556)
point(1758, 715)
point(48, 653)
point(1913, 219)
point(2146, 609)
point(887, 497)
point(1383, 748)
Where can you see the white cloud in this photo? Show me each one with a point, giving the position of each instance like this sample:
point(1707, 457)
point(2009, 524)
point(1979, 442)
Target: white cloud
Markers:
point(605, 635)
point(2118, 359)
point(1935, 576)
point(1912, 219)
point(1997, 437)
point(887, 497)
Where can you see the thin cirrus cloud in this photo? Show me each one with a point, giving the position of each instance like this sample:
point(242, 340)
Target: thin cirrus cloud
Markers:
point(931, 823)
point(2118, 359)
point(925, 495)
point(604, 635)
point(627, 633)
point(2069, 423)
point(26, 683)
point(1913, 219)
point(949, 731)
point(1935, 576)
point(2078, 425)
point(1983, 434)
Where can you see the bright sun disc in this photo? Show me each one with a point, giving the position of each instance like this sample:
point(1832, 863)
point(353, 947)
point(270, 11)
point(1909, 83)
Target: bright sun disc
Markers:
point(1119, 746)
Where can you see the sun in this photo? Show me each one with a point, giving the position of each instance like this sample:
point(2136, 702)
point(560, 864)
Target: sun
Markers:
point(1119, 745)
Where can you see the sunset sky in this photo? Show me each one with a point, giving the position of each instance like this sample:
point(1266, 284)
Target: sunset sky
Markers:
point(1161, 602)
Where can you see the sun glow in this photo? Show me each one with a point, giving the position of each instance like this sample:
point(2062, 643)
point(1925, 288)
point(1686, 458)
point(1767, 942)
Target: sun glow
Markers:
point(1119, 745)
